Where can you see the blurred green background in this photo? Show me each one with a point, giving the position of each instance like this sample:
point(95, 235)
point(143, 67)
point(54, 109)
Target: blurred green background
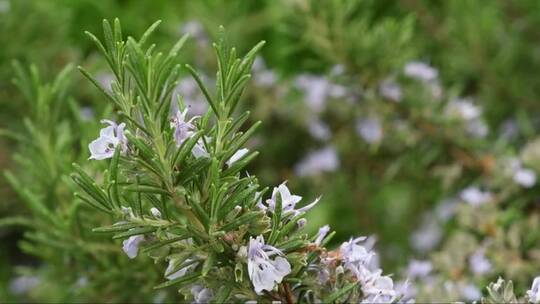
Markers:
point(486, 50)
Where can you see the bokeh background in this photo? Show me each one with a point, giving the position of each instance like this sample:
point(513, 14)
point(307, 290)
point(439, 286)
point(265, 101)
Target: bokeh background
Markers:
point(387, 108)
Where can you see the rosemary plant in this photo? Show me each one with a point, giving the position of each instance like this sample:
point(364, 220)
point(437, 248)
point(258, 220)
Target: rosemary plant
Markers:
point(178, 191)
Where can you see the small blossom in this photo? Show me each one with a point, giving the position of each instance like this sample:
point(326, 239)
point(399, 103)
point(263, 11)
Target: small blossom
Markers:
point(370, 129)
point(419, 269)
point(155, 212)
point(534, 293)
point(109, 139)
point(264, 271)
point(525, 177)
point(470, 292)
point(319, 130)
point(170, 274)
point(317, 89)
point(421, 71)
point(463, 108)
point(301, 223)
point(316, 162)
point(478, 263)
point(323, 231)
point(131, 245)
point(201, 294)
point(288, 201)
point(182, 129)
point(237, 156)
point(23, 284)
point(389, 89)
point(199, 150)
point(477, 128)
point(427, 236)
point(475, 197)
point(191, 96)
point(379, 289)
point(359, 259)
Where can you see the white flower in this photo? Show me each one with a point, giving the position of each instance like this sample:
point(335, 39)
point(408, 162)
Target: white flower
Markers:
point(170, 274)
point(316, 162)
point(421, 71)
point(525, 177)
point(389, 89)
point(237, 156)
point(155, 212)
point(534, 293)
point(264, 271)
point(182, 129)
point(475, 197)
point(131, 245)
point(288, 201)
point(109, 139)
point(419, 269)
point(369, 129)
point(201, 294)
point(323, 231)
point(478, 263)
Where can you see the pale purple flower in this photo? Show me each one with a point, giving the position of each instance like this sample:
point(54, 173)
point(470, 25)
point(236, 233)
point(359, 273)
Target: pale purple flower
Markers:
point(378, 289)
point(389, 89)
point(317, 89)
point(478, 263)
point(23, 284)
point(262, 76)
point(199, 150)
point(323, 231)
point(109, 139)
point(266, 265)
point(191, 96)
point(418, 269)
point(370, 129)
point(463, 108)
point(475, 197)
point(105, 79)
point(195, 29)
point(533, 294)
point(470, 292)
point(477, 128)
point(201, 294)
point(427, 236)
point(288, 202)
point(301, 223)
point(446, 209)
point(525, 177)
point(316, 162)
point(319, 130)
point(87, 113)
point(421, 71)
point(131, 245)
point(182, 129)
point(170, 274)
point(357, 258)
point(237, 156)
